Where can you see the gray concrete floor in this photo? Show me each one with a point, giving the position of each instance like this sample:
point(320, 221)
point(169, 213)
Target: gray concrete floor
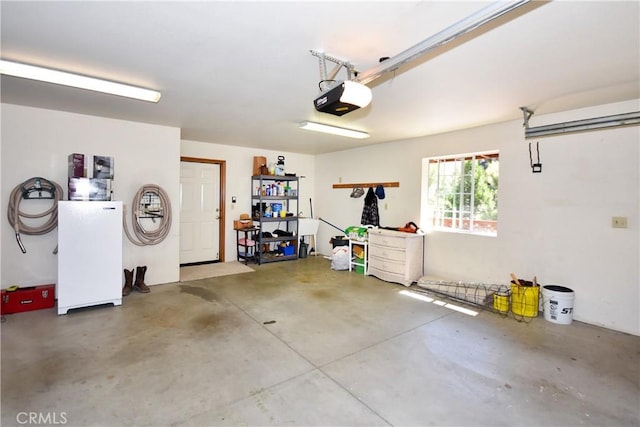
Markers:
point(342, 349)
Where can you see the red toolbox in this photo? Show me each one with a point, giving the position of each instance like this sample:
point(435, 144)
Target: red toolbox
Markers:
point(28, 298)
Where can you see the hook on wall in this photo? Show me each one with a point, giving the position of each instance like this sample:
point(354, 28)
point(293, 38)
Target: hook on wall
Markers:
point(535, 167)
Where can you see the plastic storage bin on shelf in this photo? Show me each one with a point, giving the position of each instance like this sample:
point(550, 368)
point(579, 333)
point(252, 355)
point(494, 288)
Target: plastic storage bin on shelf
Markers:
point(357, 233)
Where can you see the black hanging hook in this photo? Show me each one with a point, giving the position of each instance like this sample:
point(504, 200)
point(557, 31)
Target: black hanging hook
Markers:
point(535, 167)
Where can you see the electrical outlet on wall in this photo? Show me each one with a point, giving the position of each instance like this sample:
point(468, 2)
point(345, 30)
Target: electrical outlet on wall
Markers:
point(619, 222)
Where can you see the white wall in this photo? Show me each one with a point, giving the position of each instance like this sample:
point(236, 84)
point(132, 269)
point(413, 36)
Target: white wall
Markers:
point(36, 142)
point(239, 169)
point(555, 225)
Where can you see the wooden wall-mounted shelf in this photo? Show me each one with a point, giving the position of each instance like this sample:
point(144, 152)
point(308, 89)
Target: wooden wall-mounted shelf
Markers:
point(368, 184)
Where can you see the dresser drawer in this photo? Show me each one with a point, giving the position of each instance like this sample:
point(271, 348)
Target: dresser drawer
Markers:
point(386, 252)
point(389, 241)
point(387, 265)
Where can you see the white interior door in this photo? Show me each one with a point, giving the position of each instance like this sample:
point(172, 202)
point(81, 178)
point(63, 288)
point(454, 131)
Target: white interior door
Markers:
point(199, 212)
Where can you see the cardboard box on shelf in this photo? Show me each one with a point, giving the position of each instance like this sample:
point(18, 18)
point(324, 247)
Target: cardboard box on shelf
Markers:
point(103, 167)
point(245, 221)
point(77, 165)
point(84, 166)
point(90, 189)
point(239, 224)
point(258, 162)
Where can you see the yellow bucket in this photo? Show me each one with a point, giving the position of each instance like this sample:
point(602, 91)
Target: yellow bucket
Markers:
point(525, 300)
point(501, 302)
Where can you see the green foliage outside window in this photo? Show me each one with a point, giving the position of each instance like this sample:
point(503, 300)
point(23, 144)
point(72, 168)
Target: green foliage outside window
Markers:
point(463, 193)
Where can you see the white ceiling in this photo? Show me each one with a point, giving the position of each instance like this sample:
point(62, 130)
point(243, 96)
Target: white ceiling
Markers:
point(240, 73)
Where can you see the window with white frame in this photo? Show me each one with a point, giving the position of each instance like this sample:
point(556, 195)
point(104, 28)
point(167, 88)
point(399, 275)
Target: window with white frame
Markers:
point(462, 193)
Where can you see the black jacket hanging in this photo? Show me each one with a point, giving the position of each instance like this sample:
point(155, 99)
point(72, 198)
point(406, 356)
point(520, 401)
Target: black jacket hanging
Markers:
point(370, 214)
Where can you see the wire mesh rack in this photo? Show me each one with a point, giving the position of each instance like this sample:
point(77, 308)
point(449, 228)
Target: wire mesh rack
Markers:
point(519, 301)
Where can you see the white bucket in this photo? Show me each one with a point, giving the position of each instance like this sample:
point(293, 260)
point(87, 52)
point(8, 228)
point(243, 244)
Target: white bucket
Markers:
point(558, 304)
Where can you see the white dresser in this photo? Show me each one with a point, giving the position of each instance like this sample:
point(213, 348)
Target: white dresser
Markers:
point(395, 256)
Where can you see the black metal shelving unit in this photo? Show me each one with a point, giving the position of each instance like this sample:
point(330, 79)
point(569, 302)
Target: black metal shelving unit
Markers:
point(280, 246)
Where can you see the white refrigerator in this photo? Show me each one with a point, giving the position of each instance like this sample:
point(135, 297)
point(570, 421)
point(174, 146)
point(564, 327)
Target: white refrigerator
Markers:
point(89, 254)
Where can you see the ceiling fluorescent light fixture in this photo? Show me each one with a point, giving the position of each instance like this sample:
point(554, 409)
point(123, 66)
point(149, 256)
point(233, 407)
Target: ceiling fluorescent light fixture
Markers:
point(25, 71)
point(319, 127)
